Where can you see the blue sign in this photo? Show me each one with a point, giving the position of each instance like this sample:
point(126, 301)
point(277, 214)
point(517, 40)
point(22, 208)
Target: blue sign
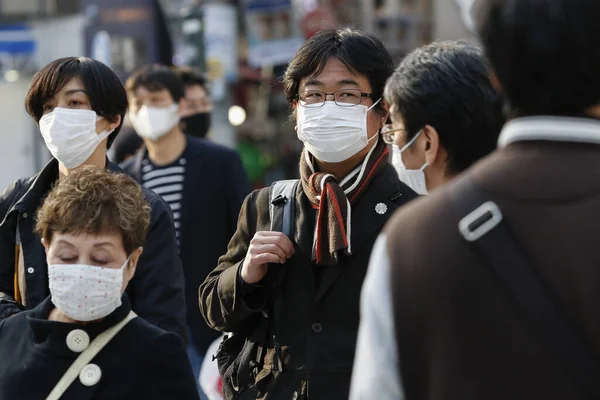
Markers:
point(16, 39)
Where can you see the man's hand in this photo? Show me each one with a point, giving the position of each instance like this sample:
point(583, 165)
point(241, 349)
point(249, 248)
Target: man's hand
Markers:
point(265, 248)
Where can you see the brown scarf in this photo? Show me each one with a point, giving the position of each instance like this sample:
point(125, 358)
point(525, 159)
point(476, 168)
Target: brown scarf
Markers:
point(334, 202)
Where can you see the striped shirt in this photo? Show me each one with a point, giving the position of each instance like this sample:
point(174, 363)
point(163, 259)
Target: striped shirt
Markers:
point(167, 181)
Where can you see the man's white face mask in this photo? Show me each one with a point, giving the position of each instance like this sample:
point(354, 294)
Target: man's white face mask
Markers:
point(413, 178)
point(155, 122)
point(332, 133)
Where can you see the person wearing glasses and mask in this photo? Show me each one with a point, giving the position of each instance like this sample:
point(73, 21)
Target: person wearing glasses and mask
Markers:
point(79, 104)
point(347, 192)
point(92, 225)
point(435, 136)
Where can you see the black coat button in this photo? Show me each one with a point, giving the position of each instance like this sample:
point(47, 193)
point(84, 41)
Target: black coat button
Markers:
point(317, 327)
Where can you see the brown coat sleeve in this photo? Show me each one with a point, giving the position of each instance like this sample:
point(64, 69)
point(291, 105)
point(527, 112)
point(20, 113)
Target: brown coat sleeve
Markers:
point(222, 302)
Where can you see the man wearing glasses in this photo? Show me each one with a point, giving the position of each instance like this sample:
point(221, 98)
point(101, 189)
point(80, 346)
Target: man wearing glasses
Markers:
point(347, 191)
point(445, 114)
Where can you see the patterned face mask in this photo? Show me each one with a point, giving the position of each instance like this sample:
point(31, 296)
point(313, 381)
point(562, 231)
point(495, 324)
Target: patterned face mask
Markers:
point(84, 292)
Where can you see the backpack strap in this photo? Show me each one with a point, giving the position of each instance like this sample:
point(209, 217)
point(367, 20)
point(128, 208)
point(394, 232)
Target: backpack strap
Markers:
point(486, 231)
point(282, 206)
point(282, 210)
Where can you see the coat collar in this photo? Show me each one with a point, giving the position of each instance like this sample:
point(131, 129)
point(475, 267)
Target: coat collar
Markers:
point(51, 336)
point(557, 129)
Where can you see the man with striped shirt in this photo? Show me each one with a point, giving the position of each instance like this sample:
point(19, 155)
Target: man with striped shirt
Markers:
point(204, 184)
point(166, 181)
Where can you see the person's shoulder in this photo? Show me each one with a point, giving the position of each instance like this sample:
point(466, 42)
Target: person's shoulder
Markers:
point(205, 146)
point(157, 204)
point(13, 193)
point(155, 338)
point(424, 232)
point(13, 327)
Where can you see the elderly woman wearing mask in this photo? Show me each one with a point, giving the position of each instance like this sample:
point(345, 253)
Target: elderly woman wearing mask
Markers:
point(92, 225)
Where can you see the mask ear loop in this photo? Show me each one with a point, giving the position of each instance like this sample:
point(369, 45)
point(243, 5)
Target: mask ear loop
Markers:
point(407, 145)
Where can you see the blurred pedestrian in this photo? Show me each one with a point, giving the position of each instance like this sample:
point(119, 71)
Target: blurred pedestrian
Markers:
point(494, 278)
point(125, 146)
point(79, 104)
point(197, 104)
point(93, 225)
point(346, 193)
point(204, 184)
point(435, 136)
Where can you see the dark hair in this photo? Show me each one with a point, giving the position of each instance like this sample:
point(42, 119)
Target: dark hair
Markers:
point(96, 201)
point(446, 85)
point(190, 77)
point(102, 86)
point(154, 78)
point(360, 52)
point(544, 52)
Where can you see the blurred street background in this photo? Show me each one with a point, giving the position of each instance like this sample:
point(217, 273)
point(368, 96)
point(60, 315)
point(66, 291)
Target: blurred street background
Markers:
point(243, 46)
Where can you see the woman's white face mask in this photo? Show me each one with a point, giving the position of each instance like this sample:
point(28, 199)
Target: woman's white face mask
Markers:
point(413, 178)
point(71, 136)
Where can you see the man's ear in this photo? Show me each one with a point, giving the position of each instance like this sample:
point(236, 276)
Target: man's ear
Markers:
point(432, 146)
point(384, 111)
point(45, 244)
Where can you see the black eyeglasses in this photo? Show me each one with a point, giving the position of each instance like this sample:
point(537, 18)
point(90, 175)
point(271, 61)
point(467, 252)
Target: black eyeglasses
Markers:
point(343, 98)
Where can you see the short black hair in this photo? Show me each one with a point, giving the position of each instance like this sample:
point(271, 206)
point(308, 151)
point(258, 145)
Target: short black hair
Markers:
point(544, 52)
point(191, 77)
point(156, 77)
point(360, 52)
point(446, 85)
point(102, 86)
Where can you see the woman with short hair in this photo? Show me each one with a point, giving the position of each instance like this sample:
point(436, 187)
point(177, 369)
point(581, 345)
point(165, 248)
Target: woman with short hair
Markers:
point(93, 225)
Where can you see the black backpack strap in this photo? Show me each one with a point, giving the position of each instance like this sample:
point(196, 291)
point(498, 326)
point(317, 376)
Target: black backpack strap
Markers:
point(484, 229)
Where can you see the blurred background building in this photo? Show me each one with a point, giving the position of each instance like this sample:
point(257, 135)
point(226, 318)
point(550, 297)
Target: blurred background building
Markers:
point(242, 45)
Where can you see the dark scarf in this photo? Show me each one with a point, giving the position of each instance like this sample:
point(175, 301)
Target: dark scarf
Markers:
point(334, 202)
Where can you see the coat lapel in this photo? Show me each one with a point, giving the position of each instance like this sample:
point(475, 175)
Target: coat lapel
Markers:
point(372, 211)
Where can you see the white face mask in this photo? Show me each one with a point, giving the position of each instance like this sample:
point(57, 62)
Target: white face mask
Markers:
point(84, 292)
point(155, 122)
point(70, 135)
point(413, 178)
point(332, 133)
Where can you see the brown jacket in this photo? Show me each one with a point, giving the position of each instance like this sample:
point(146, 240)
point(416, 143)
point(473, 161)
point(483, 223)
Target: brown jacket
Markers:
point(321, 314)
point(459, 336)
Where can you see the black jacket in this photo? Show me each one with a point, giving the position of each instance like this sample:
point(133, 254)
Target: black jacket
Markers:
point(320, 304)
point(215, 185)
point(156, 291)
point(140, 362)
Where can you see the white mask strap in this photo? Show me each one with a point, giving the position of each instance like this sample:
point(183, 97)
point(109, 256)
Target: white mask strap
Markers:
point(407, 145)
point(374, 104)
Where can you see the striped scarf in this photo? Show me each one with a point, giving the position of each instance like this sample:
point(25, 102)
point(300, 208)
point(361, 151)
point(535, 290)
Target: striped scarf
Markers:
point(333, 202)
